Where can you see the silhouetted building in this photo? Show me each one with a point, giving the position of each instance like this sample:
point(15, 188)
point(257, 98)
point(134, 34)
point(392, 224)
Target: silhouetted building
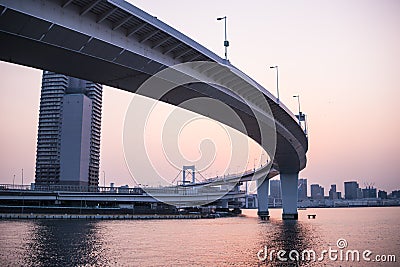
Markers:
point(359, 193)
point(302, 189)
point(332, 192)
point(382, 194)
point(317, 191)
point(351, 190)
point(395, 194)
point(369, 192)
point(275, 189)
point(68, 144)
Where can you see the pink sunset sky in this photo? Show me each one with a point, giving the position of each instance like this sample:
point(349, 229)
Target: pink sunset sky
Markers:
point(342, 58)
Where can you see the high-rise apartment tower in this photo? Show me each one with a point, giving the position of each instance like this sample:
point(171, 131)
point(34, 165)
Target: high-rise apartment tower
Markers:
point(68, 143)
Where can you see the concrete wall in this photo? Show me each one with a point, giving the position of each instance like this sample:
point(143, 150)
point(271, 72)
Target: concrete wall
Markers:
point(75, 139)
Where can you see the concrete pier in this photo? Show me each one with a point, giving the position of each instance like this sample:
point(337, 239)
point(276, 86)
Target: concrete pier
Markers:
point(262, 195)
point(289, 183)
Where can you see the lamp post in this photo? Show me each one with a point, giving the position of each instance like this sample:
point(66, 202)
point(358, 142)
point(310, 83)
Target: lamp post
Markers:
point(277, 81)
point(298, 101)
point(226, 42)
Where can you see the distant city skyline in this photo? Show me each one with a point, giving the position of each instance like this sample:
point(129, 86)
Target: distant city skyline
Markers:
point(341, 58)
point(351, 191)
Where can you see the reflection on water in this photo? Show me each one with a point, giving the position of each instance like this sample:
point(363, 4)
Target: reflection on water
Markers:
point(286, 235)
point(71, 242)
point(219, 242)
point(52, 243)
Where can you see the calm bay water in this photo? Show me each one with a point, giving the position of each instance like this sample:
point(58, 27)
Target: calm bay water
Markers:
point(207, 242)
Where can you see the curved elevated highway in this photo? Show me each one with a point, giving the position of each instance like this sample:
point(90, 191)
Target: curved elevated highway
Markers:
point(114, 43)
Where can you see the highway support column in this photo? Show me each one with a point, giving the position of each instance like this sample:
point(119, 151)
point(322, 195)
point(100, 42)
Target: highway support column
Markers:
point(289, 184)
point(262, 195)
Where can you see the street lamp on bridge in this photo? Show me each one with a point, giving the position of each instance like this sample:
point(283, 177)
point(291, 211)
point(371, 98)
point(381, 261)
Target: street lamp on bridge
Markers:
point(298, 101)
point(301, 116)
point(226, 42)
point(277, 81)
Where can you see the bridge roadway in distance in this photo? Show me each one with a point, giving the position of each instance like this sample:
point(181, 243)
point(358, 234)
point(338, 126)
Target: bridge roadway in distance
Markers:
point(180, 196)
point(193, 194)
point(114, 43)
